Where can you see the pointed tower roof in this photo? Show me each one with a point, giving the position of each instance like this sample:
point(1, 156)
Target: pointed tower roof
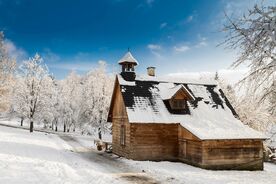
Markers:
point(128, 58)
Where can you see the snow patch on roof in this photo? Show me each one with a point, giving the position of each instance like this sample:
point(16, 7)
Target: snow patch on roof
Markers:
point(209, 123)
point(122, 81)
point(128, 58)
point(200, 91)
point(167, 92)
point(209, 118)
point(142, 111)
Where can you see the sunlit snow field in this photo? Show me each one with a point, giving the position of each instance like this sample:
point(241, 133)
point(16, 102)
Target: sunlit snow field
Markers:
point(51, 158)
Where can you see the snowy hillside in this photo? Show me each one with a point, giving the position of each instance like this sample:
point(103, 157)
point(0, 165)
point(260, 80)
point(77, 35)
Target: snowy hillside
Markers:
point(50, 158)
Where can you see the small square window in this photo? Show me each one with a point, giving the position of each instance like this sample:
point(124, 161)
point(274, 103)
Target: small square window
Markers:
point(178, 104)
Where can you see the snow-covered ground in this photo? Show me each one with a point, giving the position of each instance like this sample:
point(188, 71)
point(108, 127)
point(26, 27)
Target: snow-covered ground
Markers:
point(51, 158)
point(15, 122)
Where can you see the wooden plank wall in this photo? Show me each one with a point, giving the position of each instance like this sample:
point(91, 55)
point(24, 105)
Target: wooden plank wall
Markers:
point(185, 134)
point(233, 154)
point(154, 141)
point(119, 117)
point(190, 147)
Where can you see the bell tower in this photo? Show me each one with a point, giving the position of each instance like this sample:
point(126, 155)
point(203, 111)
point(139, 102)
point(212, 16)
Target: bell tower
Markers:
point(128, 63)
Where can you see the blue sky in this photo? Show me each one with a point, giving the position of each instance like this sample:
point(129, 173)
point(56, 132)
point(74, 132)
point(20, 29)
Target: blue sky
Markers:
point(175, 36)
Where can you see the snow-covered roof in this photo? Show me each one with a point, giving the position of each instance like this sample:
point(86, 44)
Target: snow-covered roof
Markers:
point(210, 116)
point(128, 58)
point(167, 93)
point(186, 80)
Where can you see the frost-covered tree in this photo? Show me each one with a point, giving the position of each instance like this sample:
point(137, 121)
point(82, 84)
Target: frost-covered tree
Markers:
point(216, 76)
point(48, 99)
point(76, 102)
point(247, 108)
point(273, 101)
point(253, 115)
point(30, 89)
point(97, 89)
point(19, 100)
point(56, 104)
point(71, 101)
point(229, 92)
point(7, 67)
point(254, 36)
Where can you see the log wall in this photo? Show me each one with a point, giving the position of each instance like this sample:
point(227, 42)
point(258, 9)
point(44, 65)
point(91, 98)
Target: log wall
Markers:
point(232, 154)
point(190, 147)
point(154, 141)
point(119, 117)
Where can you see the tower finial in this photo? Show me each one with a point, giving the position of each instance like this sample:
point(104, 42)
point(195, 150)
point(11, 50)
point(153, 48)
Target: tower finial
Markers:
point(128, 49)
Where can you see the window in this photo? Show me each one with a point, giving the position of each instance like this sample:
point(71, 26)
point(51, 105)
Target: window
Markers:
point(123, 135)
point(178, 104)
point(128, 67)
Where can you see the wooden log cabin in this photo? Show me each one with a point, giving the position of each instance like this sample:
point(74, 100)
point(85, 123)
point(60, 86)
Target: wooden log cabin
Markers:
point(158, 120)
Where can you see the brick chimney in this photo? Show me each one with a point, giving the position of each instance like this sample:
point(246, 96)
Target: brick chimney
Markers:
point(151, 71)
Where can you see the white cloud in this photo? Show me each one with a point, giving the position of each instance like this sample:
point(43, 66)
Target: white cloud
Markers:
point(154, 46)
point(182, 48)
point(163, 25)
point(17, 53)
point(228, 76)
point(209, 58)
point(192, 77)
point(81, 62)
point(232, 76)
point(201, 44)
point(76, 66)
point(50, 56)
point(157, 54)
point(149, 2)
point(155, 50)
point(190, 18)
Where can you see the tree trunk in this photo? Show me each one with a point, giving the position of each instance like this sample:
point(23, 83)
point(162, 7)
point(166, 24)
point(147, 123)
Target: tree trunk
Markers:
point(56, 124)
point(21, 123)
point(74, 126)
point(100, 133)
point(31, 126)
point(52, 125)
point(64, 127)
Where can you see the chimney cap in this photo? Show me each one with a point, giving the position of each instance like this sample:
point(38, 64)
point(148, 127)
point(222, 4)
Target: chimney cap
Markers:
point(151, 71)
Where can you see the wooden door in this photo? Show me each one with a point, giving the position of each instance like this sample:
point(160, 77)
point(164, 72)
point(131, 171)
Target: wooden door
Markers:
point(183, 148)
